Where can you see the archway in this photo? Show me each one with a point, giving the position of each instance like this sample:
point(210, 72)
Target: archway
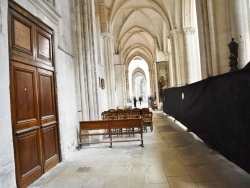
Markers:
point(139, 80)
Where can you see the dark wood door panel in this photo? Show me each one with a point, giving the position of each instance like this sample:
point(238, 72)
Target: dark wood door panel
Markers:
point(24, 96)
point(28, 158)
point(48, 118)
point(46, 91)
point(43, 46)
point(46, 97)
point(22, 35)
point(50, 146)
point(30, 41)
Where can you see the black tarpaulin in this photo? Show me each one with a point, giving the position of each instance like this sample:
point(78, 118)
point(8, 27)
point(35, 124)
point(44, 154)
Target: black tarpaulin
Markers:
point(217, 109)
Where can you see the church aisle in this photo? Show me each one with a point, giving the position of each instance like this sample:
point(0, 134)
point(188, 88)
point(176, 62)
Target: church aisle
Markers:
point(171, 157)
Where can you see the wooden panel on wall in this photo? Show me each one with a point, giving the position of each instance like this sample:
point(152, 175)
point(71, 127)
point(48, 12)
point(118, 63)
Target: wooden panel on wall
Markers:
point(50, 146)
point(22, 36)
point(46, 93)
point(29, 157)
point(46, 96)
point(49, 140)
point(43, 46)
point(30, 40)
point(48, 118)
point(24, 96)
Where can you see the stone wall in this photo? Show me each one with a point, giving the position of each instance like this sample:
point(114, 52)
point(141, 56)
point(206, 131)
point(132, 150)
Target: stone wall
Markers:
point(7, 166)
point(60, 20)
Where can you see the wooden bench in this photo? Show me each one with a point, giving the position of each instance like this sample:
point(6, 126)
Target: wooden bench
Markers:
point(111, 127)
point(154, 106)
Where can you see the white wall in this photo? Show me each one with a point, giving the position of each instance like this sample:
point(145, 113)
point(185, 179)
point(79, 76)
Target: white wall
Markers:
point(65, 81)
point(7, 166)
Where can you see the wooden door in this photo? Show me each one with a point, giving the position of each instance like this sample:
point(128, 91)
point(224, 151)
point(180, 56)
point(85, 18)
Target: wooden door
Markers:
point(25, 122)
point(33, 98)
point(48, 118)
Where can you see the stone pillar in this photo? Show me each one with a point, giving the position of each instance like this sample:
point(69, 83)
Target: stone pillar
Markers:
point(89, 58)
point(151, 81)
point(212, 34)
point(108, 55)
point(155, 83)
point(191, 65)
point(172, 64)
point(82, 104)
point(127, 86)
point(120, 83)
point(204, 46)
point(237, 16)
point(171, 69)
point(177, 39)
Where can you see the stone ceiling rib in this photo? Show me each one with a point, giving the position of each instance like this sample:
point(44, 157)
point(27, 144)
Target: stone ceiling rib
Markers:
point(138, 70)
point(155, 31)
point(145, 49)
point(153, 5)
point(138, 27)
point(150, 65)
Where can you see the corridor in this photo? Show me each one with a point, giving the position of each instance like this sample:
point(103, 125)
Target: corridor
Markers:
point(171, 157)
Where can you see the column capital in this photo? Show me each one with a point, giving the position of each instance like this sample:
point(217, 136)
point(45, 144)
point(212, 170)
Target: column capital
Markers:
point(175, 32)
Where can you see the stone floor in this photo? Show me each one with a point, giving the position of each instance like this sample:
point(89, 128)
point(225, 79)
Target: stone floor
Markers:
point(171, 157)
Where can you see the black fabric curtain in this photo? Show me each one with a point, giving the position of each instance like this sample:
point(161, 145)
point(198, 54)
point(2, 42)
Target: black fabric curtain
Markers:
point(217, 109)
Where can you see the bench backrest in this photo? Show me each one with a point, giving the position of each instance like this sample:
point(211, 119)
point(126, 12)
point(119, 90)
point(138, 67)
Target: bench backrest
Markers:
point(111, 124)
point(126, 123)
point(94, 125)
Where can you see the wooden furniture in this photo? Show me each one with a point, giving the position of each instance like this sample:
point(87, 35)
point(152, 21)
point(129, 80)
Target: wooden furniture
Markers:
point(154, 106)
point(147, 120)
point(33, 95)
point(136, 111)
point(143, 110)
point(107, 127)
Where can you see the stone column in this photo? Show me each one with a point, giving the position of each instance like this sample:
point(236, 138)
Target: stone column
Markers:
point(89, 58)
point(82, 103)
point(151, 83)
point(212, 34)
point(120, 83)
point(238, 31)
point(108, 55)
point(191, 69)
point(171, 69)
point(127, 86)
point(177, 42)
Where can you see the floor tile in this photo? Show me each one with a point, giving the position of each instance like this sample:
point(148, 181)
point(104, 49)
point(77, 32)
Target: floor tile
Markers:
point(171, 157)
point(182, 182)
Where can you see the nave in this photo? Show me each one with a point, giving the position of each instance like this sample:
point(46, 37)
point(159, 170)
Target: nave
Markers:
point(171, 157)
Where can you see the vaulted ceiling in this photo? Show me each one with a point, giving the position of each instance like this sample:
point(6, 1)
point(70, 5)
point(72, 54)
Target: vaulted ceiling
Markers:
point(138, 27)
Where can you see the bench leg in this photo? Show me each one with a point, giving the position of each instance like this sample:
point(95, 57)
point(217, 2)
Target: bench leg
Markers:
point(142, 144)
point(79, 147)
point(110, 141)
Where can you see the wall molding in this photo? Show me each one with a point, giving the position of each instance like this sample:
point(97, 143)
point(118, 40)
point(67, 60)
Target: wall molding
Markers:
point(48, 10)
